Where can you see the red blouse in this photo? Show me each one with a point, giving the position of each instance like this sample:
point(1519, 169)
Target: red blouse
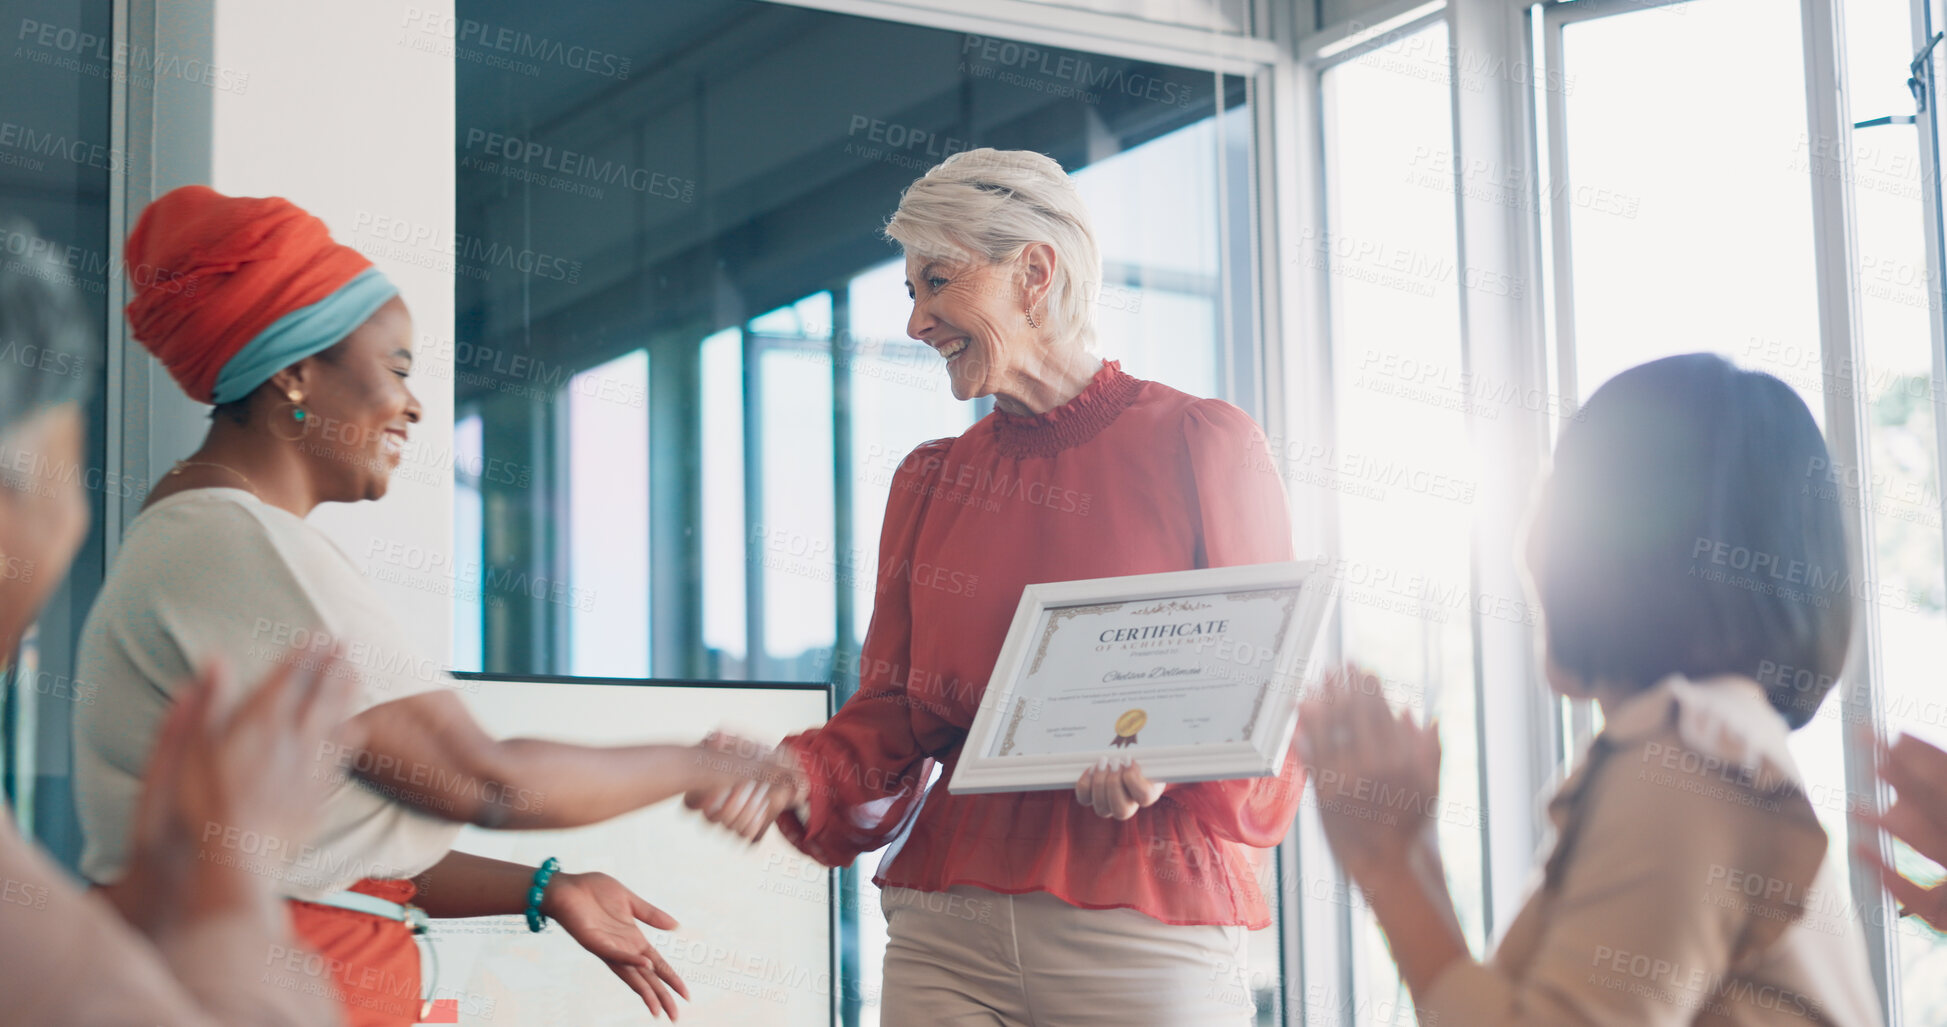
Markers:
point(1130, 477)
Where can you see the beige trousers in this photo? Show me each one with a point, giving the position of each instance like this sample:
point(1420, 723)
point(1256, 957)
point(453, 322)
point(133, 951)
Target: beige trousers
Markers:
point(968, 957)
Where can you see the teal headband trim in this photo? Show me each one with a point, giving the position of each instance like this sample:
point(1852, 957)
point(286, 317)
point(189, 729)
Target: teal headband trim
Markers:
point(301, 333)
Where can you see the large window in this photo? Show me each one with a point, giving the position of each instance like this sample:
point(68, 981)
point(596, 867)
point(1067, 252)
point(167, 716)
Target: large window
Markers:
point(1397, 468)
point(608, 505)
point(1900, 309)
point(1498, 213)
point(1676, 234)
point(1726, 237)
point(1712, 252)
point(719, 218)
point(682, 379)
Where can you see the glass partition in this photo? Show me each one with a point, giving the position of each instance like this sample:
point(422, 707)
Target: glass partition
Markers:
point(58, 163)
point(709, 198)
point(678, 321)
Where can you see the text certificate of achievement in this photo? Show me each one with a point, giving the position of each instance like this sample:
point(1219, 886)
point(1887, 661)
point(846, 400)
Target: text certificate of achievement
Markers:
point(1193, 673)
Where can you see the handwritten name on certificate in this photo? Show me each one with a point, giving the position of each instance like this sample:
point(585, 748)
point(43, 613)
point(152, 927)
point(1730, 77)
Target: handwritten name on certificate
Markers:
point(1148, 674)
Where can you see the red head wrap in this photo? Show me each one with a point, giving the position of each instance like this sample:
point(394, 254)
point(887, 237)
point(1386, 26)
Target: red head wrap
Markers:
point(211, 272)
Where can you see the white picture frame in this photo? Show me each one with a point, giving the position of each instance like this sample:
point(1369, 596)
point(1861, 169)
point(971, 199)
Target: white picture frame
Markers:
point(1252, 716)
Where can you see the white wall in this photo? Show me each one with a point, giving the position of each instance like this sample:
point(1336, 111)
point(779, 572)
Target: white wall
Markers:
point(347, 120)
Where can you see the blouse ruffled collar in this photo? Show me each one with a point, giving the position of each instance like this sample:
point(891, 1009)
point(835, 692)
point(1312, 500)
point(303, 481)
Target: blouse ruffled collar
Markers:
point(1107, 395)
point(1727, 721)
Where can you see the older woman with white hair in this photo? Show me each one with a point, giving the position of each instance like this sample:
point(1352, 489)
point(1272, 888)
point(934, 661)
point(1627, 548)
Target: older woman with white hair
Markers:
point(1127, 901)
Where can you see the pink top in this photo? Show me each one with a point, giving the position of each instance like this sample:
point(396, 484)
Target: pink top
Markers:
point(1130, 477)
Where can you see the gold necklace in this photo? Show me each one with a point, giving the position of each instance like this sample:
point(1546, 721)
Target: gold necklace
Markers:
point(180, 464)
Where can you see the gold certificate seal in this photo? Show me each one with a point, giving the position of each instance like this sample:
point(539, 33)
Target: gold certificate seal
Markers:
point(1126, 727)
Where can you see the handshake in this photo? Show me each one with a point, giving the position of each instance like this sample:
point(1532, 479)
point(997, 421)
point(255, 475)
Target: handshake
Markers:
point(744, 785)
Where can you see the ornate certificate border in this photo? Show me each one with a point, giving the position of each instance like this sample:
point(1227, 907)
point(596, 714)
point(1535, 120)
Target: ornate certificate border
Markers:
point(1304, 593)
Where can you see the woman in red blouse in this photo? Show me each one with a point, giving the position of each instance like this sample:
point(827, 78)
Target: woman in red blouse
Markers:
point(1125, 901)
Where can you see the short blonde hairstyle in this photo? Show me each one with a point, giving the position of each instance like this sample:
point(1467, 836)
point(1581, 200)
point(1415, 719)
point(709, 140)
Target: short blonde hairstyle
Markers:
point(989, 205)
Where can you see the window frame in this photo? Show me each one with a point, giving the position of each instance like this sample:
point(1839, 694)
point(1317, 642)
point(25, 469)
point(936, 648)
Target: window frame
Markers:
point(1502, 121)
point(1112, 35)
point(1516, 764)
point(1929, 17)
point(1842, 344)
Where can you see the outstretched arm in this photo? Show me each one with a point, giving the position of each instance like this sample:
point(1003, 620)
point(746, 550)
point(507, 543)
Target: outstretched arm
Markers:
point(860, 777)
point(426, 751)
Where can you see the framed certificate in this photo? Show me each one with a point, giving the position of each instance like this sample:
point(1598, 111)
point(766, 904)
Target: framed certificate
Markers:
point(1194, 673)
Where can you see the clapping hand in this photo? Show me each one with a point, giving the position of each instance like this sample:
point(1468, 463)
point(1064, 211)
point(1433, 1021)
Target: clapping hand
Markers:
point(1376, 772)
point(1918, 773)
point(744, 785)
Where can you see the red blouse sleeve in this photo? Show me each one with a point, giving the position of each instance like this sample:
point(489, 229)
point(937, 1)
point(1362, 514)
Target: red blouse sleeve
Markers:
point(865, 765)
point(1242, 519)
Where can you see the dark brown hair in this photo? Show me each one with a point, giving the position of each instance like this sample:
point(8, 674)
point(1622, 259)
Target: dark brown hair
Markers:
point(1688, 532)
